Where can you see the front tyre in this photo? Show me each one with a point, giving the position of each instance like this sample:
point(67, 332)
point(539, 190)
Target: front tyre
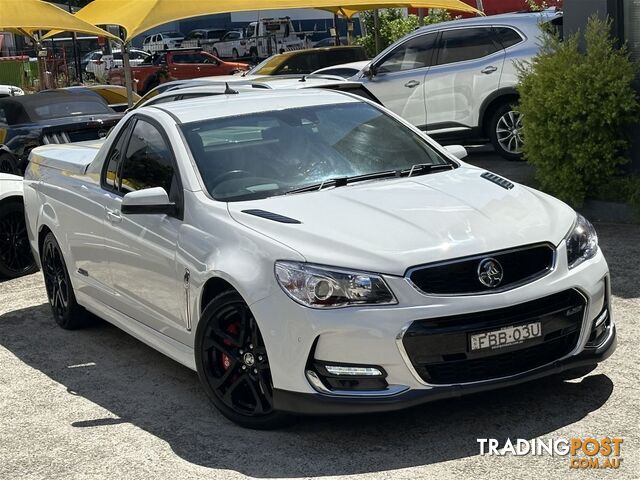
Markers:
point(233, 366)
point(505, 132)
point(66, 311)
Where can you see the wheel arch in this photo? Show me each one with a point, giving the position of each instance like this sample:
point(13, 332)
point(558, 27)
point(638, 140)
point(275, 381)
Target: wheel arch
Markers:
point(213, 287)
point(494, 101)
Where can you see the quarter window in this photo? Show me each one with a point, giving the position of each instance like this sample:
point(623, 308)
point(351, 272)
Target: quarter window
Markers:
point(466, 44)
point(110, 179)
point(412, 54)
point(507, 36)
point(148, 162)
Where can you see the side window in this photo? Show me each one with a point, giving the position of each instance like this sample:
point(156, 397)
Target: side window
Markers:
point(3, 116)
point(508, 37)
point(110, 178)
point(412, 54)
point(148, 161)
point(466, 44)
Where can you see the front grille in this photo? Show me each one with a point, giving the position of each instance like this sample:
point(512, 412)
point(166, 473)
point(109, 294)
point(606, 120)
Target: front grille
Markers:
point(439, 348)
point(461, 276)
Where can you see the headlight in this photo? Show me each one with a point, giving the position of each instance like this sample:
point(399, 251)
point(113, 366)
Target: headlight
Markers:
point(582, 242)
point(320, 287)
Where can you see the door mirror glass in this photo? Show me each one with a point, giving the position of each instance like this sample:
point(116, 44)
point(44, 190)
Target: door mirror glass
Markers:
point(457, 151)
point(148, 201)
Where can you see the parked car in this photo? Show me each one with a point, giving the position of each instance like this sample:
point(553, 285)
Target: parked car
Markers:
point(32, 120)
point(311, 252)
point(162, 41)
point(330, 42)
point(175, 65)
point(346, 70)
point(115, 96)
point(97, 66)
point(15, 252)
point(309, 60)
point(10, 91)
point(457, 80)
point(206, 87)
point(203, 38)
point(232, 45)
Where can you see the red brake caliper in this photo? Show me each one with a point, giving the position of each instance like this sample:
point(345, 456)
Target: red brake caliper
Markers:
point(231, 329)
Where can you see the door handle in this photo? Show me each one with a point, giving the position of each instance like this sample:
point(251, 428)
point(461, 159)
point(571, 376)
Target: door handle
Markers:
point(114, 216)
point(489, 70)
point(412, 84)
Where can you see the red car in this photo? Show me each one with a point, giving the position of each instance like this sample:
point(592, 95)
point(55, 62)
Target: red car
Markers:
point(179, 64)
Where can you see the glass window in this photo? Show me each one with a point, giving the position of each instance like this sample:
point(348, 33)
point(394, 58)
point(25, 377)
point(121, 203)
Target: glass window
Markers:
point(270, 153)
point(110, 179)
point(148, 161)
point(466, 44)
point(412, 54)
point(507, 36)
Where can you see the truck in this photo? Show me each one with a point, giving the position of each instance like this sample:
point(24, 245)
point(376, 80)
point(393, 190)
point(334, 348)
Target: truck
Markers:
point(269, 36)
point(178, 64)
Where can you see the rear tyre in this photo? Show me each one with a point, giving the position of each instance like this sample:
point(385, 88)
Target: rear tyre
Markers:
point(152, 82)
point(15, 252)
point(214, 52)
point(66, 311)
point(233, 365)
point(9, 164)
point(505, 132)
point(253, 53)
point(234, 54)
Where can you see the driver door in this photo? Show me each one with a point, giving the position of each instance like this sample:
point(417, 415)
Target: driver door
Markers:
point(399, 78)
point(141, 248)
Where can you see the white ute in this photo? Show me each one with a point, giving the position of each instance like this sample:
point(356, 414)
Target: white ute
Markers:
point(309, 252)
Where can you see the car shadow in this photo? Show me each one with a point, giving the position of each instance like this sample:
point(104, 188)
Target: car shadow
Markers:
point(142, 387)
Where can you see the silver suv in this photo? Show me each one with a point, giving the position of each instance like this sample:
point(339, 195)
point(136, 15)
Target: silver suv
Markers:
point(457, 79)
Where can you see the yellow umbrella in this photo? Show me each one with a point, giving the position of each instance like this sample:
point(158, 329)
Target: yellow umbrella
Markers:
point(29, 16)
point(139, 16)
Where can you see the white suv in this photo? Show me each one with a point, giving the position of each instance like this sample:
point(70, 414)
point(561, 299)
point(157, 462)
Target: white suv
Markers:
point(458, 79)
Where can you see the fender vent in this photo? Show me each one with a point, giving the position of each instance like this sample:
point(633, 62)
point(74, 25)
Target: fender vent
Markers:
point(493, 178)
point(271, 216)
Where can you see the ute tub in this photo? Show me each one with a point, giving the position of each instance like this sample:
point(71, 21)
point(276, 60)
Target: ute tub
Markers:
point(72, 158)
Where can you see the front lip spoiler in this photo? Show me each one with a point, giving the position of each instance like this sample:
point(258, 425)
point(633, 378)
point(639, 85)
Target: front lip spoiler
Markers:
point(321, 404)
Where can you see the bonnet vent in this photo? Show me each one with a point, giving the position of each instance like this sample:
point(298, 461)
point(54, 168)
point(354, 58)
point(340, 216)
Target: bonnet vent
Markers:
point(493, 178)
point(271, 216)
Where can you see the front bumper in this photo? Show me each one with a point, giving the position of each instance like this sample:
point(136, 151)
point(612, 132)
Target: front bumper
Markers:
point(321, 404)
point(296, 336)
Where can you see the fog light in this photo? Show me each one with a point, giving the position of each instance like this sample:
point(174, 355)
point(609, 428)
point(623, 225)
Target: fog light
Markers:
point(355, 371)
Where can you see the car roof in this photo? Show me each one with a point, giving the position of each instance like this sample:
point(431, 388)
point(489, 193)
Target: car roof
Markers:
point(513, 19)
point(246, 102)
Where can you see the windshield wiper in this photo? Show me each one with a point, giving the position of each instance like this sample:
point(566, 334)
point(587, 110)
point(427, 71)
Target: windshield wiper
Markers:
point(418, 169)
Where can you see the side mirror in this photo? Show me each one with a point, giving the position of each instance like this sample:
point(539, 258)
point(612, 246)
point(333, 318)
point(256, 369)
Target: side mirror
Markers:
point(370, 71)
point(148, 201)
point(457, 151)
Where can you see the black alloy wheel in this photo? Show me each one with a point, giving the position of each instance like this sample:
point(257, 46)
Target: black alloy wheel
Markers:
point(66, 312)
point(8, 164)
point(233, 365)
point(15, 252)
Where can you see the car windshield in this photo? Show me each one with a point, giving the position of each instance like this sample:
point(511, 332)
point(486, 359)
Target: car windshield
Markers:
point(68, 108)
point(260, 155)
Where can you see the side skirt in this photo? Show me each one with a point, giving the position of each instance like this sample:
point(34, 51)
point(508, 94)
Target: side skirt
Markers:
point(156, 340)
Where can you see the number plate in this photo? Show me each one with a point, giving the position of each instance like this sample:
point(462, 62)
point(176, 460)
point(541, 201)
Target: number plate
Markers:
point(507, 336)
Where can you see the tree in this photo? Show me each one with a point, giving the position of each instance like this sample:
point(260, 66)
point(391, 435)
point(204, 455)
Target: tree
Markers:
point(576, 106)
point(393, 25)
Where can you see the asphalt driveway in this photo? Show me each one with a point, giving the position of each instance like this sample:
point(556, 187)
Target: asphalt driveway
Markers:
point(97, 403)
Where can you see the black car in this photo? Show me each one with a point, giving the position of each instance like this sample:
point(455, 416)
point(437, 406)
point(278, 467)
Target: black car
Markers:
point(113, 95)
point(33, 120)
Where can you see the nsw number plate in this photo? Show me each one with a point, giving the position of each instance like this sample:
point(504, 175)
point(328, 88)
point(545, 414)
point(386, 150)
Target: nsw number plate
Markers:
point(506, 336)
